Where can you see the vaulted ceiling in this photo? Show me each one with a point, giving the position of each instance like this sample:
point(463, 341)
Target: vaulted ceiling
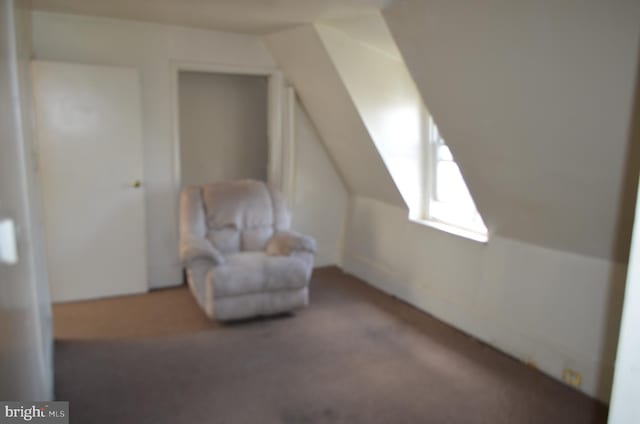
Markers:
point(301, 54)
point(535, 99)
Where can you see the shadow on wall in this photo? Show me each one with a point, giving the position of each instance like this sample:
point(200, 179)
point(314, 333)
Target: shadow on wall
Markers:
point(624, 229)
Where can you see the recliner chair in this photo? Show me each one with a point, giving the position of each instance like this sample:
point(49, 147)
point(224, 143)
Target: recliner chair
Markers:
point(240, 256)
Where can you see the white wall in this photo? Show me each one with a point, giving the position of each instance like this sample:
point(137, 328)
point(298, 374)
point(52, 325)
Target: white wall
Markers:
point(557, 309)
point(388, 103)
point(223, 127)
point(321, 199)
point(306, 63)
point(625, 407)
point(25, 311)
point(152, 49)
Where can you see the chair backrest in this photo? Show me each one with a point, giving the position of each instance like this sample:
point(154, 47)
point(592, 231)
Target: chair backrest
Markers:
point(234, 216)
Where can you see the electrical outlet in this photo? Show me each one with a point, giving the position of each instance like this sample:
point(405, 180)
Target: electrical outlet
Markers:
point(571, 377)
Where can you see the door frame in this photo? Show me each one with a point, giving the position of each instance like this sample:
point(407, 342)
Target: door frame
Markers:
point(280, 122)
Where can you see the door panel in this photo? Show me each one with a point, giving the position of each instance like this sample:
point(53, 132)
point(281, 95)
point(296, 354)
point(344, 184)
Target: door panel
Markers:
point(89, 129)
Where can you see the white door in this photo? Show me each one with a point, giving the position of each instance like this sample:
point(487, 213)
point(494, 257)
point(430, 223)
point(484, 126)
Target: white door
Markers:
point(89, 131)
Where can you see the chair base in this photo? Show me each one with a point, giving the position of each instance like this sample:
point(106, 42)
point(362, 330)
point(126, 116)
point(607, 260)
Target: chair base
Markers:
point(258, 304)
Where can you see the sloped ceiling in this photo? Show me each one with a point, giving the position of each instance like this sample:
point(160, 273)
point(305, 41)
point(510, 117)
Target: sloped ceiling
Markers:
point(251, 16)
point(387, 102)
point(535, 100)
point(302, 56)
point(369, 28)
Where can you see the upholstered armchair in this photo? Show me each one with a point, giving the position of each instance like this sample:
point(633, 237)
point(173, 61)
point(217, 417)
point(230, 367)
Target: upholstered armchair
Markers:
point(241, 259)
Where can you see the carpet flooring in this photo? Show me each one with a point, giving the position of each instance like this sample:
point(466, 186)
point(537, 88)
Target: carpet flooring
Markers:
point(353, 356)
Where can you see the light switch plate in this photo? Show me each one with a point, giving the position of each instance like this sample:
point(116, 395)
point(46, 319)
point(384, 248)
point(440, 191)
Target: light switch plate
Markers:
point(8, 246)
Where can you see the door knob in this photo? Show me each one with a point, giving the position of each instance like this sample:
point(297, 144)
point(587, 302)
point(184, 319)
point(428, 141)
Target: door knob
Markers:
point(136, 184)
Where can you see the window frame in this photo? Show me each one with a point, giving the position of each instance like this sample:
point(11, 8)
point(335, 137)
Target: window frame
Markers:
point(431, 141)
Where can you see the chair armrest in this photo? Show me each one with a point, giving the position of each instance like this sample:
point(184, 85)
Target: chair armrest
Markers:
point(193, 248)
point(283, 243)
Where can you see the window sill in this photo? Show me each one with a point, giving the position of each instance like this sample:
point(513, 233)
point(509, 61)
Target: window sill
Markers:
point(452, 229)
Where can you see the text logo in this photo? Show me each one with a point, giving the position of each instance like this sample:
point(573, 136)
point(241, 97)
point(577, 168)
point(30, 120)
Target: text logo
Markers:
point(34, 412)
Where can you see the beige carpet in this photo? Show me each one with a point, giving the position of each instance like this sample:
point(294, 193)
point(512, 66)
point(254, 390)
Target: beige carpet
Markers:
point(354, 356)
point(159, 313)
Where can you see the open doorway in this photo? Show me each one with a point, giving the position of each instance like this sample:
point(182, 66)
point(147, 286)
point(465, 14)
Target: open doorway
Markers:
point(223, 131)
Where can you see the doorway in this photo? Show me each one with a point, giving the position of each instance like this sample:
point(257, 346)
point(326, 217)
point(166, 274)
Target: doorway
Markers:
point(223, 129)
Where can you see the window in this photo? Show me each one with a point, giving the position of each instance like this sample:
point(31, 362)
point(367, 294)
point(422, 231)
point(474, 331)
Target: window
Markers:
point(447, 200)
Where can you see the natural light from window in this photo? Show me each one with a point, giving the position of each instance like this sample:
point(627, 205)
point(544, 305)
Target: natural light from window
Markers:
point(399, 142)
point(447, 198)
point(393, 111)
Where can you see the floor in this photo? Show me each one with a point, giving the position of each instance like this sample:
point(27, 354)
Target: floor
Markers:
point(354, 355)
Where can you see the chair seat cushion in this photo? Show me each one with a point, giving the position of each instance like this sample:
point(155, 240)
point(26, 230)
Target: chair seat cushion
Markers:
point(252, 272)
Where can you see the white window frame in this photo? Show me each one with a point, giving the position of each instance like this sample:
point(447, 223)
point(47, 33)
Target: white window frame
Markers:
point(431, 141)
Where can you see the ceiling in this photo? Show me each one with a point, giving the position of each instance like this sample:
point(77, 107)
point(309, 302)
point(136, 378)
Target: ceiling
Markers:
point(536, 102)
point(249, 16)
point(369, 28)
